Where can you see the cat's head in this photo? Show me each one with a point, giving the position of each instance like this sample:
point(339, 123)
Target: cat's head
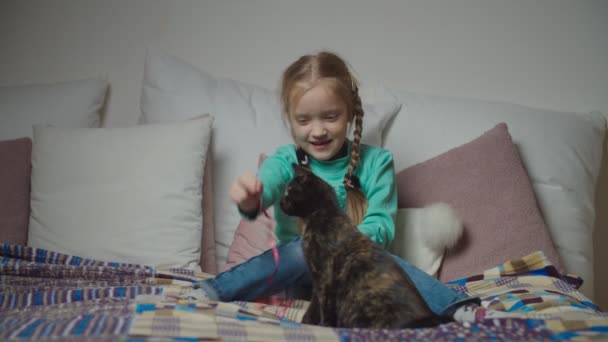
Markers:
point(307, 193)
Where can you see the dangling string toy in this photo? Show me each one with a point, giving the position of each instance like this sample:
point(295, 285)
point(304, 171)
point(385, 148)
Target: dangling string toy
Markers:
point(271, 243)
point(273, 248)
point(261, 208)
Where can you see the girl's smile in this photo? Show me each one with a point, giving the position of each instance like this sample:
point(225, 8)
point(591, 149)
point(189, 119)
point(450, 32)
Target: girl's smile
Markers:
point(319, 145)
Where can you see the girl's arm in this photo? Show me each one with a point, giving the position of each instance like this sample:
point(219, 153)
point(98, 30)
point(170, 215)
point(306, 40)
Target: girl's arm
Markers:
point(275, 172)
point(381, 193)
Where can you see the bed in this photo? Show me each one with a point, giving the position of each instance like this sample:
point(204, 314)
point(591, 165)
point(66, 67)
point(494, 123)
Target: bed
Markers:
point(108, 226)
point(51, 295)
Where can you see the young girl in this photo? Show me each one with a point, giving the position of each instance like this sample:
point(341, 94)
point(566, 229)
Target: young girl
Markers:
point(321, 101)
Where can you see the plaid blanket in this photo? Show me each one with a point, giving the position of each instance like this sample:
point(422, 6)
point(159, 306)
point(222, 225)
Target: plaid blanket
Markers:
point(48, 295)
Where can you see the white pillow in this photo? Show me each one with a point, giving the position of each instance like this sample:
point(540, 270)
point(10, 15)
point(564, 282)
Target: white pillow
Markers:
point(422, 235)
point(66, 104)
point(126, 194)
point(561, 152)
point(248, 122)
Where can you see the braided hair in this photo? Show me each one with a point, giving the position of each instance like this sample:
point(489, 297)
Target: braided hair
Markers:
point(356, 203)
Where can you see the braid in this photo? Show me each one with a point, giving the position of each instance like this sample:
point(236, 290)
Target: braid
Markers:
point(358, 118)
point(356, 203)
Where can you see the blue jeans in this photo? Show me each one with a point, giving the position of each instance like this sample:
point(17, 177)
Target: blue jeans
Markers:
point(250, 280)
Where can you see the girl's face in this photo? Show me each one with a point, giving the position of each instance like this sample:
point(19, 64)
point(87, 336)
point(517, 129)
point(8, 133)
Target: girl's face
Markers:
point(319, 122)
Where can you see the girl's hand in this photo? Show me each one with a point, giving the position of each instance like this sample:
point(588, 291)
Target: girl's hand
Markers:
point(246, 191)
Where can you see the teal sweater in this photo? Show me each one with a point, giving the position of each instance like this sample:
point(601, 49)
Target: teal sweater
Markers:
point(376, 173)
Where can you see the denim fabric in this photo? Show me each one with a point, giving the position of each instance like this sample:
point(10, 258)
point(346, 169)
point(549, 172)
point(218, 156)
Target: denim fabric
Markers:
point(257, 278)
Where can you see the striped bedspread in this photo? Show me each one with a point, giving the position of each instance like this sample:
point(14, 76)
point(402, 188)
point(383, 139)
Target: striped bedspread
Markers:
point(47, 295)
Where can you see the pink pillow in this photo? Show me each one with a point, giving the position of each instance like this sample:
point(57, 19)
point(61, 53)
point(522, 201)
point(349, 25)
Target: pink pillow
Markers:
point(486, 183)
point(15, 172)
point(251, 237)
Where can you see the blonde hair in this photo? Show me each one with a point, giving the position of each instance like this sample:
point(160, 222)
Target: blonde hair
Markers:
point(331, 71)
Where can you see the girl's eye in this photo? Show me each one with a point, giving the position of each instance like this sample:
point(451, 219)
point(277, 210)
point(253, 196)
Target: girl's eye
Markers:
point(331, 117)
point(302, 121)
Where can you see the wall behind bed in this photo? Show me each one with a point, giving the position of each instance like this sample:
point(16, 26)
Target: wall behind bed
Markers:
point(544, 53)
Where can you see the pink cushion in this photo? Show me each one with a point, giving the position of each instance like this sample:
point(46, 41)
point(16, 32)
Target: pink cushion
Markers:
point(251, 237)
point(15, 172)
point(486, 183)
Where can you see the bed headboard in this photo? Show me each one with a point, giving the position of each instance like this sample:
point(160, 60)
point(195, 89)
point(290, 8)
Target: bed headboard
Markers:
point(548, 54)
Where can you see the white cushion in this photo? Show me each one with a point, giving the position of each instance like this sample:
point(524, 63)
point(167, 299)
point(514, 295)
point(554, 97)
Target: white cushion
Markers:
point(64, 104)
point(248, 122)
point(127, 194)
point(561, 152)
point(422, 235)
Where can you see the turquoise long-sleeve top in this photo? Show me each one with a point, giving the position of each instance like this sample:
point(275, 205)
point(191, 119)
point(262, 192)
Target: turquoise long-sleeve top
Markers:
point(376, 174)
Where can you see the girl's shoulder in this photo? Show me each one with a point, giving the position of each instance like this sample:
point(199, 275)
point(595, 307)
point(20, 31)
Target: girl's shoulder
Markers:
point(278, 166)
point(284, 156)
point(286, 153)
point(371, 153)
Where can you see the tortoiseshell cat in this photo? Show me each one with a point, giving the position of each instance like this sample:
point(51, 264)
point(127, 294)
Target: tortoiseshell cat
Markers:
point(356, 283)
